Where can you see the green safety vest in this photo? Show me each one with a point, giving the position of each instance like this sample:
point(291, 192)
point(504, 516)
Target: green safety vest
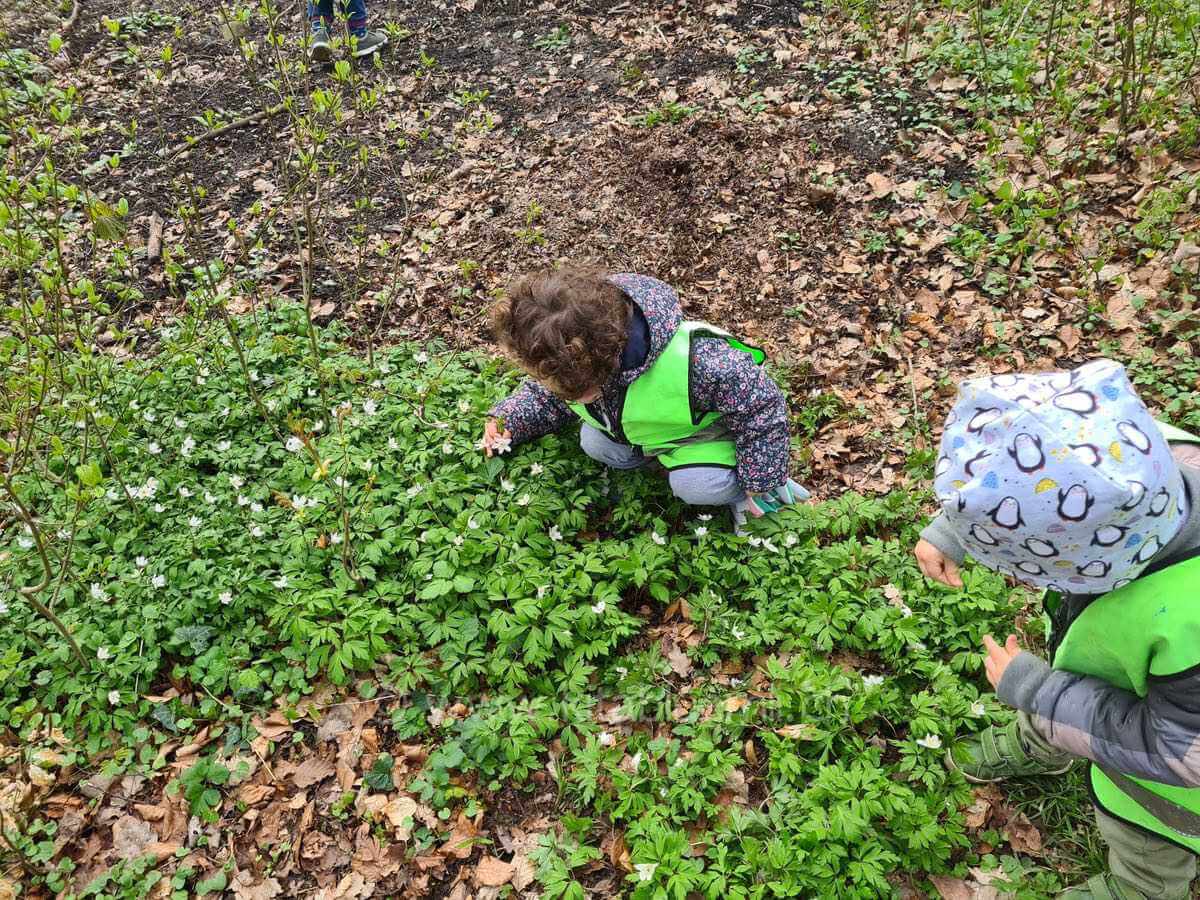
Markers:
point(1148, 629)
point(656, 413)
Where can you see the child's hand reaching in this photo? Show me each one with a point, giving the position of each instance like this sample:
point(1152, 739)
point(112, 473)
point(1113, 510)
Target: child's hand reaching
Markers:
point(999, 657)
point(936, 565)
point(494, 440)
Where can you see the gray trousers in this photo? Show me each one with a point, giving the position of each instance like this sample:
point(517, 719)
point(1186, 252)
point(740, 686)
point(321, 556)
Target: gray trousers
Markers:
point(696, 485)
point(1157, 868)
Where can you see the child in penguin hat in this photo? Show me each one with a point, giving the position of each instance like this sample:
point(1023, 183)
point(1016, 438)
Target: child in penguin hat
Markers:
point(1064, 481)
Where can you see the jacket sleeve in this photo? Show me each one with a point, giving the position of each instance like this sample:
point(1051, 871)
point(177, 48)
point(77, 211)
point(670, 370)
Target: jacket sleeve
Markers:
point(1155, 737)
point(531, 411)
point(939, 533)
point(727, 381)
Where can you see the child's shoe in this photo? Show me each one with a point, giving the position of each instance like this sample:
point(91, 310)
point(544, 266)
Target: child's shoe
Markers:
point(997, 753)
point(369, 42)
point(1103, 887)
point(319, 50)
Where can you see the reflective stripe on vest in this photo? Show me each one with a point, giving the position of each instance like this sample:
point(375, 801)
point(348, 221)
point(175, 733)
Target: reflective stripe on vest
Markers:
point(656, 412)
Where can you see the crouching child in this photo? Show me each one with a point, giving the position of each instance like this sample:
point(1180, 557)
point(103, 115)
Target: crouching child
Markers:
point(615, 352)
point(1065, 482)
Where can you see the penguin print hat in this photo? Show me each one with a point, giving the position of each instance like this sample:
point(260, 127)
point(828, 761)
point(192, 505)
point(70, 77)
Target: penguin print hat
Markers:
point(1061, 480)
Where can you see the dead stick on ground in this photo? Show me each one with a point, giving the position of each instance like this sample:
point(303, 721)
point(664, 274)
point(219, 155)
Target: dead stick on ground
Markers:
point(72, 18)
point(224, 129)
point(154, 239)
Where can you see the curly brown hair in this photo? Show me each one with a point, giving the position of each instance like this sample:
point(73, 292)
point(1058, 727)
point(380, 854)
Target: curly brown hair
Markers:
point(565, 327)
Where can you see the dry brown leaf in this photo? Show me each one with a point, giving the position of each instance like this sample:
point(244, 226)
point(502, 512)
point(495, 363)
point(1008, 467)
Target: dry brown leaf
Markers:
point(493, 872)
point(1023, 835)
point(246, 888)
point(733, 704)
point(681, 665)
point(273, 727)
point(130, 837)
point(1120, 312)
point(800, 732)
point(618, 852)
point(250, 794)
point(978, 812)
point(523, 872)
point(373, 860)
point(952, 888)
point(312, 770)
point(461, 841)
point(352, 887)
point(880, 184)
point(399, 810)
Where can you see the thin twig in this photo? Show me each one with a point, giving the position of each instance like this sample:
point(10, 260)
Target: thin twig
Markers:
point(224, 129)
point(76, 6)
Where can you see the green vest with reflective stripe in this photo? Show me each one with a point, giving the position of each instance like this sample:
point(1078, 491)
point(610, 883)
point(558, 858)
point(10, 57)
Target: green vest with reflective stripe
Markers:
point(656, 413)
point(1148, 629)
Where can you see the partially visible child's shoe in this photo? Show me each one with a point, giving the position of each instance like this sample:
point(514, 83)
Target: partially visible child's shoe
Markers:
point(997, 753)
point(786, 494)
point(1105, 886)
point(369, 42)
point(319, 49)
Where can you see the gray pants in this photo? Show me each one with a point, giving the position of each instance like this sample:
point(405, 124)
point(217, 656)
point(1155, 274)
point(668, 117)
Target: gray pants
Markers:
point(696, 485)
point(1157, 868)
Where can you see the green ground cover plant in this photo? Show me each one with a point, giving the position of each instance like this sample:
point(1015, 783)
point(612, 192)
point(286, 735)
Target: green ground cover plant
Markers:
point(359, 536)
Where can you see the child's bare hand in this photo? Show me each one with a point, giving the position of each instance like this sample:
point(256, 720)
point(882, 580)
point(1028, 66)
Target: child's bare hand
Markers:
point(999, 657)
point(936, 565)
point(494, 440)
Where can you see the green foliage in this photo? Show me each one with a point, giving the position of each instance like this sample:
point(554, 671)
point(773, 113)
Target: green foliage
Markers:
point(213, 550)
point(200, 784)
point(669, 113)
point(555, 41)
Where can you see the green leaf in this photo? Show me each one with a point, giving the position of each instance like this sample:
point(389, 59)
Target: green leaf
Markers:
point(89, 474)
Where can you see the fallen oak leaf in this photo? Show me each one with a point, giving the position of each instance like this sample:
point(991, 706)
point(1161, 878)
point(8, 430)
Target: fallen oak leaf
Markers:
point(880, 185)
point(311, 771)
point(493, 872)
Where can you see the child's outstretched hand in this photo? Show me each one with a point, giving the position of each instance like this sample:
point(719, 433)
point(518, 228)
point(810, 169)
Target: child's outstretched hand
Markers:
point(494, 440)
point(936, 565)
point(999, 657)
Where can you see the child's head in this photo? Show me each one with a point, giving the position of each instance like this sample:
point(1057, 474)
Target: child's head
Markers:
point(565, 327)
point(1062, 480)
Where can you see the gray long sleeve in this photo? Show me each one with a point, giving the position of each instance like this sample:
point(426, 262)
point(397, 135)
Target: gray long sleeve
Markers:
point(1155, 737)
